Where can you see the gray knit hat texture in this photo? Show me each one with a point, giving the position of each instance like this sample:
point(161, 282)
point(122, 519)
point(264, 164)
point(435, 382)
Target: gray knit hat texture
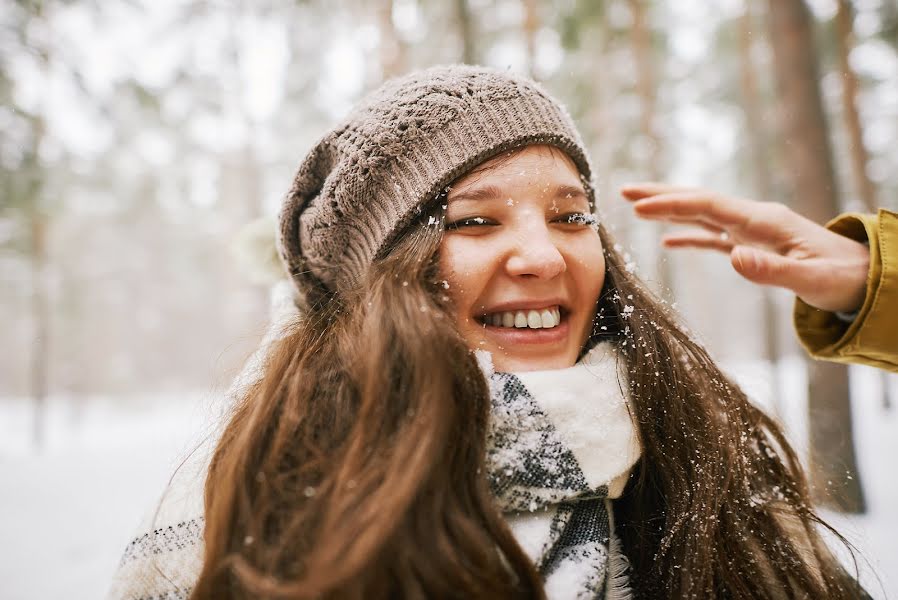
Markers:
point(364, 182)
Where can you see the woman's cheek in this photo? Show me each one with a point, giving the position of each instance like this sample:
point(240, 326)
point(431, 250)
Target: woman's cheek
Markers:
point(458, 264)
point(591, 256)
point(587, 265)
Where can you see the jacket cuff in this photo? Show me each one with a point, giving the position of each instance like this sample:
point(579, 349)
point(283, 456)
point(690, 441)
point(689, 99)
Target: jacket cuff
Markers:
point(867, 338)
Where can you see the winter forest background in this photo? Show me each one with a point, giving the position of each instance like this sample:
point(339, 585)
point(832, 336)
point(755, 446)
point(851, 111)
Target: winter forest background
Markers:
point(146, 145)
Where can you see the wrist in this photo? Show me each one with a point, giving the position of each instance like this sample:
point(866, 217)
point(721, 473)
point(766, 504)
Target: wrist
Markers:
point(843, 286)
point(856, 279)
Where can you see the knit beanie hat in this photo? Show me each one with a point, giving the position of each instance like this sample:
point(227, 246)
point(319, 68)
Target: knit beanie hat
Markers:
point(364, 182)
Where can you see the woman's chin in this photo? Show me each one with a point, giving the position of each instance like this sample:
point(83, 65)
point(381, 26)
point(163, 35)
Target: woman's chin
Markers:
point(524, 349)
point(514, 362)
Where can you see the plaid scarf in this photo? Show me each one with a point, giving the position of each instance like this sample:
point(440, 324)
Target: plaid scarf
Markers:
point(560, 445)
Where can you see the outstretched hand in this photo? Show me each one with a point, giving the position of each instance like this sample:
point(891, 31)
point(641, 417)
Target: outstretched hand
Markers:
point(767, 242)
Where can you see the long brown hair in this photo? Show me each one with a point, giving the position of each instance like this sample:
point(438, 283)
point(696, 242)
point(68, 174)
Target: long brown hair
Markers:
point(355, 467)
point(718, 506)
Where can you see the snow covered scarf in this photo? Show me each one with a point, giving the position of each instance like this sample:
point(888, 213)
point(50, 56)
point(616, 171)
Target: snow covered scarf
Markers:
point(561, 444)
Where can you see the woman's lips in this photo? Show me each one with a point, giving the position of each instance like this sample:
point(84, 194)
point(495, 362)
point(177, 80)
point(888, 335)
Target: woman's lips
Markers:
point(510, 335)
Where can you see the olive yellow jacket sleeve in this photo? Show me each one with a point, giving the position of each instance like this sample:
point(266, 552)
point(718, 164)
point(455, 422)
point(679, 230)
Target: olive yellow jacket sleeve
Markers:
point(872, 338)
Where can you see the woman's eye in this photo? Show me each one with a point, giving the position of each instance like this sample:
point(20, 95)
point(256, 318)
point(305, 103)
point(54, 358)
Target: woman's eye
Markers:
point(470, 222)
point(584, 219)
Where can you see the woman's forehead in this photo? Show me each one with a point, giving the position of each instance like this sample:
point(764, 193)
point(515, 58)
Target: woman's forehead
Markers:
point(544, 166)
point(489, 191)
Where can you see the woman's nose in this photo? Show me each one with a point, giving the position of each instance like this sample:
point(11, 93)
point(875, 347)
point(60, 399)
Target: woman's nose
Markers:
point(535, 254)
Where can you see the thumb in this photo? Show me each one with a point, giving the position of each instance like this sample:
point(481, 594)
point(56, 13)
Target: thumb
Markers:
point(768, 268)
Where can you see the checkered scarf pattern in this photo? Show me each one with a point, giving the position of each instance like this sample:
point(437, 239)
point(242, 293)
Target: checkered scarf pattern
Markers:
point(558, 510)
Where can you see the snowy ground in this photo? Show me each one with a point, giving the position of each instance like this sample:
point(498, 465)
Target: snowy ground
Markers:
point(67, 512)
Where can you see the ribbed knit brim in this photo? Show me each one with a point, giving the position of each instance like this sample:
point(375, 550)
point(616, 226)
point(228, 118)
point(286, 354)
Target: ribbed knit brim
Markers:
point(365, 181)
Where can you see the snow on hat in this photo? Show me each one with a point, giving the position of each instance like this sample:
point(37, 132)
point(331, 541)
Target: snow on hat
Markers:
point(364, 182)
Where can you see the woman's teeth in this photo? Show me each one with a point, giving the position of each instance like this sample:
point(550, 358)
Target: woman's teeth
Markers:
point(533, 319)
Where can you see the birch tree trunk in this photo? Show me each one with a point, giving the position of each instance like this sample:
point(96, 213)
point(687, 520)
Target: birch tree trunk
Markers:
point(834, 475)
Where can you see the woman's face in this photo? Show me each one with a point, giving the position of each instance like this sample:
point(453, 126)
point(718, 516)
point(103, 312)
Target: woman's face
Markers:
point(523, 259)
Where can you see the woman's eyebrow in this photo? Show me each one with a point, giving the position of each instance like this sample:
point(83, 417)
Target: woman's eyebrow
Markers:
point(493, 192)
point(569, 191)
point(478, 192)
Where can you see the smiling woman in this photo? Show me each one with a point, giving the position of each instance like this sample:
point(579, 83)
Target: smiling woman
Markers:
point(476, 398)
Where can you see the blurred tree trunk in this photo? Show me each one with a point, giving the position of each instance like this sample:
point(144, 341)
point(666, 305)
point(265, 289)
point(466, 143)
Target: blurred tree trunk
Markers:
point(39, 361)
point(36, 211)
point(242, 192)
point(763, 188)
point(466, 32)
point(863, 185)
point(246, 186)
point(641, 39)
point(834, 475)
point(844, 43)
point(646, 86)
point(605, 128)
point(530, 26)
point(40, 315)
point(392, 48)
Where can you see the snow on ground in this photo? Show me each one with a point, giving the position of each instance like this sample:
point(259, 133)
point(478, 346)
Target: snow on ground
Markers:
point(67, 511)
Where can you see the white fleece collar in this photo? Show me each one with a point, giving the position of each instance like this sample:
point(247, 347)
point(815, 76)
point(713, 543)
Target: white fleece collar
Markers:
point(588, 405)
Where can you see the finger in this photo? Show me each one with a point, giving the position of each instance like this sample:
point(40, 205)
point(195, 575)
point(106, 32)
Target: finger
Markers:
point(768, 268)
point(699, 206)
point(705, 225)
point(637, 191)
point(699, 240)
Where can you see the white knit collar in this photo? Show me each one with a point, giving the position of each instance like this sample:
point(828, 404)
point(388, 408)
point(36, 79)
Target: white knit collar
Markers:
point(588, 405)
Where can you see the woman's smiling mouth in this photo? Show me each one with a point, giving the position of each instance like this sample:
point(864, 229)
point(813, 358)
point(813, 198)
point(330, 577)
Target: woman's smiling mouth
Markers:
point(547, 325)
point(545, 318)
